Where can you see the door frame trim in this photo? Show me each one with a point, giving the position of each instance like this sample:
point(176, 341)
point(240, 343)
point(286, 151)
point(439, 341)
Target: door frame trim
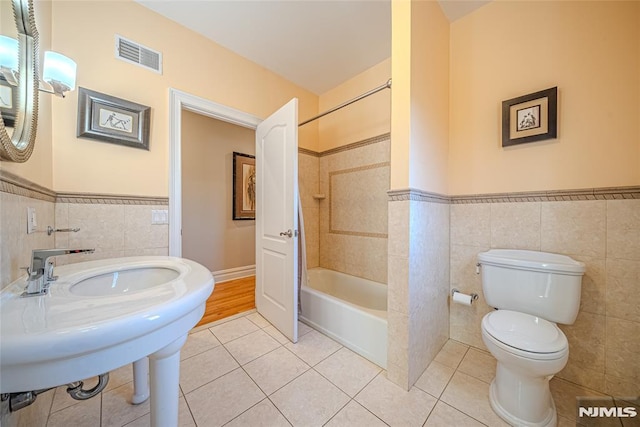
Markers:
point(179, 101)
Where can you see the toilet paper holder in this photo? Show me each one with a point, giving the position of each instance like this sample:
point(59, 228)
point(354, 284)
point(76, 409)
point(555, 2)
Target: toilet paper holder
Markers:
point(474, 296)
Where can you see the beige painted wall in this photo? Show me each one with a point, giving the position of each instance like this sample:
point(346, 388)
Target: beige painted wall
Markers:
point(209, 234)
point(420, 97)
point(38, 168)
point(85, 32)
point(364, 119)
point(590, 50)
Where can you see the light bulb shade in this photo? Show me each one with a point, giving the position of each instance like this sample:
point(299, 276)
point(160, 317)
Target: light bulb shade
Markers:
point(59, 71)
point(9, 53)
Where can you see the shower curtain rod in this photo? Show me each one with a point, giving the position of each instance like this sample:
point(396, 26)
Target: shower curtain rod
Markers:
point(387, 85)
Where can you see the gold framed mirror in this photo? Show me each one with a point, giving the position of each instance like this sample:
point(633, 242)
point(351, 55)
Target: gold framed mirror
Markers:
point(16, 142)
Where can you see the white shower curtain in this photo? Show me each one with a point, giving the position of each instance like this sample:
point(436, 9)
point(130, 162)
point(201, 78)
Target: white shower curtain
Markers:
point(302, 253)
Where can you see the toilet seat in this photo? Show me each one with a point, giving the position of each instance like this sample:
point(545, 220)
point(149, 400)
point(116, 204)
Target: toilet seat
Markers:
point(526, 335)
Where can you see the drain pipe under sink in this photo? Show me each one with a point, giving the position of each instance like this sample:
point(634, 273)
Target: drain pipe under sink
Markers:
point(23, 399)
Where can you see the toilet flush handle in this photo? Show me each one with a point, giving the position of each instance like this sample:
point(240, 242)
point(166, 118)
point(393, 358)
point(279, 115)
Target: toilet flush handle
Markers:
point(478, 268)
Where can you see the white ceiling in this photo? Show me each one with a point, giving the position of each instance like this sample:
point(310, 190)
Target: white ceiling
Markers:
point(316, 44)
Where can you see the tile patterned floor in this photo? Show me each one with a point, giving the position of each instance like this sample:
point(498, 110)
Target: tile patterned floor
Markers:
point(243, 372)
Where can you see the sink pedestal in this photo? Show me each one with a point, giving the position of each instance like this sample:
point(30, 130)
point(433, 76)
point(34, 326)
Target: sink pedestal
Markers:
point(140, 381)
point(165, 377)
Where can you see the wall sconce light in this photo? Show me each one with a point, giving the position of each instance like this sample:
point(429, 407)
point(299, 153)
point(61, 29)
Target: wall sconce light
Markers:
point(58, 75)
point(9, 59)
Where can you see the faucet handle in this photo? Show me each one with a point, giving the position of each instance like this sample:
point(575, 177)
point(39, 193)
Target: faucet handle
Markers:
point(49, 271)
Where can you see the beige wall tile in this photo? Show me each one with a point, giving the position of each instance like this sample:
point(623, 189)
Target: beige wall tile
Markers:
point(515, 225)
point(623, 349)
point(17, 245)
point(623, 229)
point(594, 285)
point(465, 320)
point(62, 221)
point(471, 224)
point(428, 284)
point(623, 289)
point(139, 233)
point(574, 228)
point(147, 252)
point(586, 341)
point(399, 228)
point(101, 226)
point(312, 235)
point(398, 289)
point(357, 203)
point(398, 348)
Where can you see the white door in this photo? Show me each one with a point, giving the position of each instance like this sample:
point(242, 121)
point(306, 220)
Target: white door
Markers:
point(277, 219)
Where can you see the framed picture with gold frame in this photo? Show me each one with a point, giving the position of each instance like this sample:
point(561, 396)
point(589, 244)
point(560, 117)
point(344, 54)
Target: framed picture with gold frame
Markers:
point(244, 186)
point(530, 118)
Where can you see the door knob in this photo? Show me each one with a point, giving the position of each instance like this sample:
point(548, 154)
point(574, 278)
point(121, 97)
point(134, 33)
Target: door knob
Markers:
point(287, 233)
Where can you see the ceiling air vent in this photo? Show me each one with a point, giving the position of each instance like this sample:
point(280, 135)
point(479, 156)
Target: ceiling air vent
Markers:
point(135, 53)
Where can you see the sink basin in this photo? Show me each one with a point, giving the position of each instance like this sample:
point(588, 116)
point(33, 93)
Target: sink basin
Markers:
point(125, 281)
point(99, 316)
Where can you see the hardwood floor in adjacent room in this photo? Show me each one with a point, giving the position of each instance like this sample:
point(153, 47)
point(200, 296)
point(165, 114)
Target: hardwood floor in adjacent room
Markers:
point(229, 298)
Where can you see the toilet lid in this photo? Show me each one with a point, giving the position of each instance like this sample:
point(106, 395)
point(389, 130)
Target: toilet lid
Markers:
point(524, 331)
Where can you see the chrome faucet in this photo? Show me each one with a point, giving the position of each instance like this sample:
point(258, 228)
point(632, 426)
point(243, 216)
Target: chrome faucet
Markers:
point(41, 270)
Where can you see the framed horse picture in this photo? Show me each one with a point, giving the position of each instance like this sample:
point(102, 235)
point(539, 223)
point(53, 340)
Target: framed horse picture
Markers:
point(244, 186)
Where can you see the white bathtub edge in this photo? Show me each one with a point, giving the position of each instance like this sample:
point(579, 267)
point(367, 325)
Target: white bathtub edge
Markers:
point(381, 361)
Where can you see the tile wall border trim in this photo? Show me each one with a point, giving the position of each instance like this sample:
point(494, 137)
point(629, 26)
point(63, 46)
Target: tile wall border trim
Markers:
point(604, 193)
point(13, 184)
point(109, 199)
point(353, 145)
point(417, 195)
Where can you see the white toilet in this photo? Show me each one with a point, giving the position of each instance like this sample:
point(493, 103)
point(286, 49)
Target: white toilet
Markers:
point(532, 292)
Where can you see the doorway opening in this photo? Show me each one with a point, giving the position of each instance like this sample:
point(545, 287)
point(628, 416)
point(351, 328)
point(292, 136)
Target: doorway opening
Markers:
point(204, 136)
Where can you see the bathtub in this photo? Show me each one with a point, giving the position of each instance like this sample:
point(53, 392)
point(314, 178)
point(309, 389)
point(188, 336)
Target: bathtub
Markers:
point(351, 310)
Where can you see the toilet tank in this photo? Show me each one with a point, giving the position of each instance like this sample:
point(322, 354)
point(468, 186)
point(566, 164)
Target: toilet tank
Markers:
point(538, 283)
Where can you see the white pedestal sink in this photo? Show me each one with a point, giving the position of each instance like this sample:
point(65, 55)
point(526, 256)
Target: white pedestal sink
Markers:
point(101, 315)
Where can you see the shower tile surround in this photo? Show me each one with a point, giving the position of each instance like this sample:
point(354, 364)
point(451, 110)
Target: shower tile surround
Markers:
point(351, 220)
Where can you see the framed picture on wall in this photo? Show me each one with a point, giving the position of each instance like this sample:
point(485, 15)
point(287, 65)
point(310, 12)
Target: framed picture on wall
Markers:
point(530, 118)
point(110, 119)
point(244, 186)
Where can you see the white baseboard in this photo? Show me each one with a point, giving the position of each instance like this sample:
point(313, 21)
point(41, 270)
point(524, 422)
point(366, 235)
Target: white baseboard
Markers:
point(234, 273)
